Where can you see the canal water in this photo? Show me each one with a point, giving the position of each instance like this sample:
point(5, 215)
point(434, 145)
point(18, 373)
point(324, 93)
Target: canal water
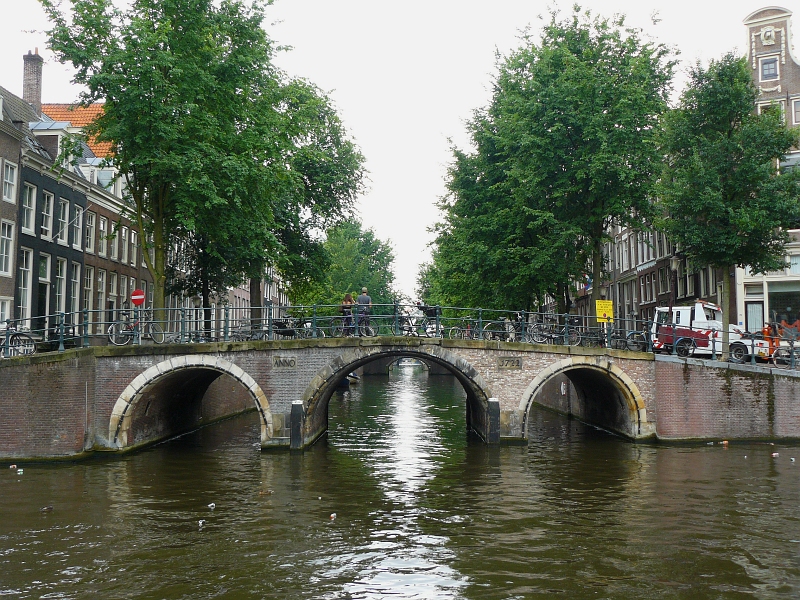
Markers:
point(398, 502)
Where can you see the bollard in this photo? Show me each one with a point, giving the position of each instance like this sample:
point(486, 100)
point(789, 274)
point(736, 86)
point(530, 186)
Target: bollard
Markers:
point(438, 329)
point(296, 426)
point(85, 327)
point(61, 332)
point(7, 345)
point(713, 344)
point(269, 320)
point(480, 323)
point(493, 413)
point(314, 321)
point(183, 325)
point(226, 325)
point(396, 318)
point(753, 350)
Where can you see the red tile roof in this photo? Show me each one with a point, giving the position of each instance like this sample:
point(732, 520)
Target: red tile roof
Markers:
point(79, 116)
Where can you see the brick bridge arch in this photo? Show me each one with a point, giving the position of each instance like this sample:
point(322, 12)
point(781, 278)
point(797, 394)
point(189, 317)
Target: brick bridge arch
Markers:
point(121, 415)
point(322, 386)
point(624, 411)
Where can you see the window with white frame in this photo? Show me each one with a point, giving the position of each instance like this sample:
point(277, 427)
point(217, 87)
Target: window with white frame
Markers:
point(123, 240)
point(75, 289)
point(28, 215)
point(769, 68)
point(794, 264)
point(101, 290)
point(102, 242)
point(77, 228)
point(47, 215)
point(63, 218)
point(796, 111)
point(61, 284)
point(89, 235)
point(88, 288)
point(123, 288)
point(44, 268)
point(6, 247)
point(9, 182)
point(134, 247)
point(5, 311)
point(114, 246)
point(24, 284)
point(112, 286)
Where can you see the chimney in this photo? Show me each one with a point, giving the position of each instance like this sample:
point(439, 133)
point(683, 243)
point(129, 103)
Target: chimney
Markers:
point(32, 80)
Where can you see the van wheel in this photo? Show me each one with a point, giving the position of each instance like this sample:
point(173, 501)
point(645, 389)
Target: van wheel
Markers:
point(739, 353)
point(684, 347)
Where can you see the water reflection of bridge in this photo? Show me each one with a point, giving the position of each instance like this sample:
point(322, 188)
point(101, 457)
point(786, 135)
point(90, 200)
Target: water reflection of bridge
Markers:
point(123, 398)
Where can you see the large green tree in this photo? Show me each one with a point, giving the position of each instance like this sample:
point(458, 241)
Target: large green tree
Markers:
point(354, 258)
point(206, 130)
point(723, 198)
point(565, 150)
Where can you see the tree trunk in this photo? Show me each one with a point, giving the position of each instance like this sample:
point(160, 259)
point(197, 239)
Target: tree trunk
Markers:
point(726, 312)
point(255, 301)
point(597, 277)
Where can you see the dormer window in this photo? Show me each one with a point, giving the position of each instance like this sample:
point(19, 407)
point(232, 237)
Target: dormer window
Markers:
point(769, 69)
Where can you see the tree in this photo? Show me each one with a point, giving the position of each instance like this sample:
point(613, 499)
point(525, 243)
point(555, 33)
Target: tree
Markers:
point(206, 131)
point(355, 258)
point(723, 199)
point(565, 149)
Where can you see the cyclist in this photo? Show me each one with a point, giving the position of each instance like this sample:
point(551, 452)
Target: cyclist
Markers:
point(364, 305)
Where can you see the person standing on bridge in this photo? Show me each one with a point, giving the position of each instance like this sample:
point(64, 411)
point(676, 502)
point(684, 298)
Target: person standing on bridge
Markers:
point(347, 311)
point(364, 305)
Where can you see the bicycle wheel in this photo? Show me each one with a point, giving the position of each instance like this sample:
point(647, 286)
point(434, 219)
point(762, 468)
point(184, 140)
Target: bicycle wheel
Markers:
point(387, 328)
point(573, 338)
point(538, 334)
point(154, 332)
point(685, 347)
point(366, 331)
point(119, 334)
point(636, 341)
point(21, 344)
point(592, 340)
point(337, 327)
point(782, 358)
point(494, 330)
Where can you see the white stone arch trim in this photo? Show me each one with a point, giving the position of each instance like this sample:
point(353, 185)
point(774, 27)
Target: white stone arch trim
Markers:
point(630, 391)
point(352, 355)
point(120, 422)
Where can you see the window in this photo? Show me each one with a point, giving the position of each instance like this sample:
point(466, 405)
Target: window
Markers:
point(123, 288)
point(103, 238)
point(794, 264)
point(124, 242)
point(44, 267)
point(28, 220)
point(9, 182)
point(796, 111)
point(663, 280)
point(769, 68)
point(6, 247)
point(134, 246)
point(77, 228)
point(88, 292)
point(114, 246)
point(75, 290)
point(63, 212)
point(101, 290)
point(112, 286)
point(61, 284)
point(89, 240)
point(47, 215)
point(25, 266)
point(105, 178)
point(5, 311)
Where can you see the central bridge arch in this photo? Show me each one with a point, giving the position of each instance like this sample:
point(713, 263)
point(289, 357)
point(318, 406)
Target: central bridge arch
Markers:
point(606, 395)
point(317, 394)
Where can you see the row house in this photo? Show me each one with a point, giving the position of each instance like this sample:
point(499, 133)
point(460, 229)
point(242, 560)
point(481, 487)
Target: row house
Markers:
point(64, 242)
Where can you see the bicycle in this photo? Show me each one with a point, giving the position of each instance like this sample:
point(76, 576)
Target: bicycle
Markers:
point(18, 343)
point(465, 330)
point(122, 332)
point(552, 333)
point(783, 358)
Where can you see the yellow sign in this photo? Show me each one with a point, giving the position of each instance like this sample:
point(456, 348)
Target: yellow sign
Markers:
point(604, 310)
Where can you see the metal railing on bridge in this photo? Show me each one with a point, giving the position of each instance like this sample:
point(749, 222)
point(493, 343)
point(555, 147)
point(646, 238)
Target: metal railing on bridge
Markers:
point(60, 331)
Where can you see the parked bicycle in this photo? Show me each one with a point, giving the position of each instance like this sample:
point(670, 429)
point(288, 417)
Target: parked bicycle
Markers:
point(17, 343)
point(783, 357)
point(509, 330)
point(550, 332)
point(123, 331)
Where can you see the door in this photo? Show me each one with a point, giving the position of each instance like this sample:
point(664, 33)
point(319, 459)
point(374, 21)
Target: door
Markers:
point(42, 307)
point(754, 316)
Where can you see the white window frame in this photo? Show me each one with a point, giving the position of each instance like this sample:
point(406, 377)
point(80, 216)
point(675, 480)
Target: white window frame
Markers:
point(134, 246)
point(24, 284)
point(123, 288)
point(62, 235)
point(124, 242)
point(75, 290)
point(6, 248)
point(28, 216)
point(114, 245)
point(77, 228)
point(761, 62)
point(10, 171)
point(61, 284)
point(796, 112)
point(5, 310)
point(101, 292)
point(44, 273)
point(46, 229)
point(88, 242)
point(102, 239)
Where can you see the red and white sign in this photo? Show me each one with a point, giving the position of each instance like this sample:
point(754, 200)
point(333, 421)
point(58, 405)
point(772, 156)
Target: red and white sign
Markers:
point(137, 297)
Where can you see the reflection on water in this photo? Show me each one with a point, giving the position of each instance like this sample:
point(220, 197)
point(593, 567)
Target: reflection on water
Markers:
point(421, 511)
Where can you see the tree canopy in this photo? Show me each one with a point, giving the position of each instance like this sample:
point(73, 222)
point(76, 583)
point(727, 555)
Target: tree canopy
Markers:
point(210, 137)
point(565, 149)
point(723, 199)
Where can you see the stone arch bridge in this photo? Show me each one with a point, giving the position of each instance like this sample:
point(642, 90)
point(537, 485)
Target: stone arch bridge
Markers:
point(119, 399)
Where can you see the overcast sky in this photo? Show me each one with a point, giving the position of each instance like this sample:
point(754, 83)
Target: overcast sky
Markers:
point(405, 76)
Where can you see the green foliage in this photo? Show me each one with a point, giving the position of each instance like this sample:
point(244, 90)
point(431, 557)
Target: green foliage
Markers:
point(213, 141)
point(565, 149)
point(723, 200)
point(355, 258)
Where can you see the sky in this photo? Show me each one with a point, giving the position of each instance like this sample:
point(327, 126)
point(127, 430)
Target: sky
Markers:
point(405, 78)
